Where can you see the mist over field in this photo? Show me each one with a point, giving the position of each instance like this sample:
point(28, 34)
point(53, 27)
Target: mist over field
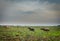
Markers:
point(38, 12)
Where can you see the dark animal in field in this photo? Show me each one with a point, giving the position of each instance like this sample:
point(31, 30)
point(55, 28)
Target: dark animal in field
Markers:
point(17, 35)
point(45, 29)
point(5, 26)
point(31, 29)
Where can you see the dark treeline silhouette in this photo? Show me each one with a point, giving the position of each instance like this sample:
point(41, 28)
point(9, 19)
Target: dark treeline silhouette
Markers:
point(58, 25)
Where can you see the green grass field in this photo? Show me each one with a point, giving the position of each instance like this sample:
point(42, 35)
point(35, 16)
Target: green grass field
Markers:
point(22, 33)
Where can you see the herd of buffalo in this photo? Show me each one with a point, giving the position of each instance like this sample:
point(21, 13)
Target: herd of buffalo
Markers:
point(32, 29)
point(44, 29)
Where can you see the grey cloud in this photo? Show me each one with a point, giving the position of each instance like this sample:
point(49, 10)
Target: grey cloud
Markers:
point(31, 12)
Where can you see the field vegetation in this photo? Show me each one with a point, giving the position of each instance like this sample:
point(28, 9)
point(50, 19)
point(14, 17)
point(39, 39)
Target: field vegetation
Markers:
point(23, 33)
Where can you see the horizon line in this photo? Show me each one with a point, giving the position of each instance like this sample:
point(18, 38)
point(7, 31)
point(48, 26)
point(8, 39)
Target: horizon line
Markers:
point(30, 24)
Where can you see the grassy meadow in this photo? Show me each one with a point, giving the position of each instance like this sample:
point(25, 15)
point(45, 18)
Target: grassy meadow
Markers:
point(22, 33)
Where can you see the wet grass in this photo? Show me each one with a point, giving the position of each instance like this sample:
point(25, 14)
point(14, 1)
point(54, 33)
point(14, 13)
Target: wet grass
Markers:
point(22, 33)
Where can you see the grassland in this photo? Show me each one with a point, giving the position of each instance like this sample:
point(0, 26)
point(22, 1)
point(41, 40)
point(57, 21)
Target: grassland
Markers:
point(22, 33)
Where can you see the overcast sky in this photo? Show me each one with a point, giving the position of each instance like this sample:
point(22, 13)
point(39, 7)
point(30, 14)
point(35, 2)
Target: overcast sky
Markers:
point(30, 11)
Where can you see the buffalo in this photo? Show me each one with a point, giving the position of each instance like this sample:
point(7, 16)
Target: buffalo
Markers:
point(31, 29)
point(45, 29)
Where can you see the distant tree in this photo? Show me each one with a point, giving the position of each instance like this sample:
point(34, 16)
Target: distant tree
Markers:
point(0, 25)
point(58, 25)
